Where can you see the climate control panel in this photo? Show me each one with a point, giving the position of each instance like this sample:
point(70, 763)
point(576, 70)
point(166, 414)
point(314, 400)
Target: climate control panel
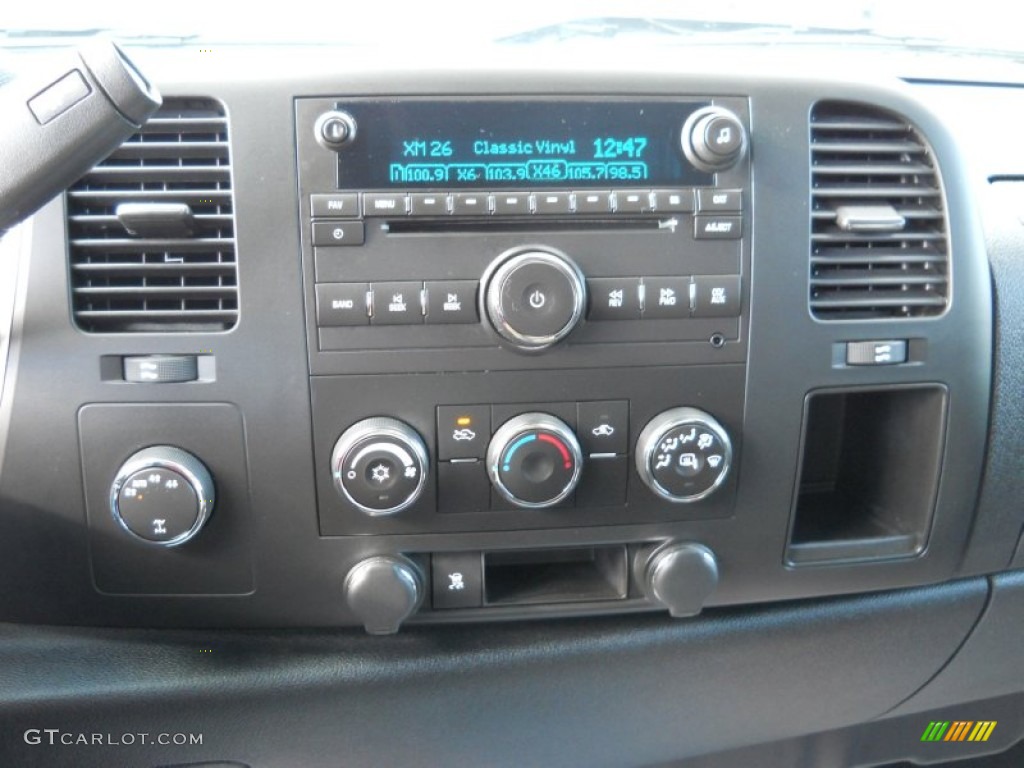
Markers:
point(430, 454)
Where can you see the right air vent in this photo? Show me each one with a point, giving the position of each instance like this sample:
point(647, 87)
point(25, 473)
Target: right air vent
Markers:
point(879, 245)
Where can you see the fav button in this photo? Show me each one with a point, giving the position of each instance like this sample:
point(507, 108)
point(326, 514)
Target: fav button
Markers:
point(344, 205)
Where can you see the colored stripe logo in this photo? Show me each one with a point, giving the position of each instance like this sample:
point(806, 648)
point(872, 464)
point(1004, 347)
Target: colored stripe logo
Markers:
point(959, 730)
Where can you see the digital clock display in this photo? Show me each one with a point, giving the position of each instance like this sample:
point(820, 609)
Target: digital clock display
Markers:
point(481, 144)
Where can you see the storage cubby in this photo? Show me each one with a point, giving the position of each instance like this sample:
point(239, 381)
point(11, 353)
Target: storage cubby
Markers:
point(869, 472)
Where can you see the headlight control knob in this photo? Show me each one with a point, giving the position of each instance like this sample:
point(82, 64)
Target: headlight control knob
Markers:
point(534, 460)
point(683, 455)
point(380, 465)
point(534, 298)
point(162, 495)
point(383, 592)
point(713, 139)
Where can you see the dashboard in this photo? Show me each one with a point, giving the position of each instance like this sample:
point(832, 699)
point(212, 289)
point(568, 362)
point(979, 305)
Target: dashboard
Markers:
point(647, 393)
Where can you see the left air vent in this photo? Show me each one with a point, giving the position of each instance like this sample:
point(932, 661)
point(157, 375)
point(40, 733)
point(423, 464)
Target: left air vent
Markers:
point(151, 233)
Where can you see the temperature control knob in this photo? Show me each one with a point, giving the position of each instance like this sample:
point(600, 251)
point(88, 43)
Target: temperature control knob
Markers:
point(380, 465)
point(713, 139)
point(534, 460)
point(683, 455)
point(534, 298)
point(162, 495)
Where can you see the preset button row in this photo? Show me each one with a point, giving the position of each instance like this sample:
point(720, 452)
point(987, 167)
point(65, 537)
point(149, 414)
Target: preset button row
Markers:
point(525, 202)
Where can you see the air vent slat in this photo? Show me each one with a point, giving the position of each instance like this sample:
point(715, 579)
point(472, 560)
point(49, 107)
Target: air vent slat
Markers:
point(163, 150)
point(160, 292)
point(869, 169)
point(156, 269)
point(840, 147)
point(185, 280)
point(845, 257)
point(872, 300)
point(862, 190)
point(872, 278)
point(188, 126)
point(863, 156)
point(156, 245)
point(172, 174)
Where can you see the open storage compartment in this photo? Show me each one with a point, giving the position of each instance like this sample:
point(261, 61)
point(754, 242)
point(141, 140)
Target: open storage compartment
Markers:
point(869, 473)
point(577, 574)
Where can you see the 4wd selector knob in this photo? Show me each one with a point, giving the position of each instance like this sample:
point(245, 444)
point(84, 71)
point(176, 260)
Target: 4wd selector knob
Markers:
point(683, 455)
point(534, 460)
point(534, 298)
point(162, 495)
point(380, 465)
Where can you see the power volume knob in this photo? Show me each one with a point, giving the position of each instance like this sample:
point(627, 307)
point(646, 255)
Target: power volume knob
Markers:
point(380, 465)
point(335, 129)
point(683, 455)
point(534, 299)
point(162, 495)
point(713, 139)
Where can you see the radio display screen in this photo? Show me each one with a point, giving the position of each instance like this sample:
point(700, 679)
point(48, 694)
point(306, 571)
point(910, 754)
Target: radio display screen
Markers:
point(418, 143)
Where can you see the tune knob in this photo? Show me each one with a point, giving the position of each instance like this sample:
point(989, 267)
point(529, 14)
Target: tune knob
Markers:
point(383, 592)
point(534, 298)
point(380, 465)
point(713, 139)
point(683, 455)
point(162, 495)
point(534, 460)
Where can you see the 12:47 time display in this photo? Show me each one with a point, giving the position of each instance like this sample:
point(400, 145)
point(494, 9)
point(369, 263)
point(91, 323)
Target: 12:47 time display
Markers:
point(610, 148)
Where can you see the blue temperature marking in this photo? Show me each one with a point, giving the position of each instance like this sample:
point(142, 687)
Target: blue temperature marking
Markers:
point(513, 449)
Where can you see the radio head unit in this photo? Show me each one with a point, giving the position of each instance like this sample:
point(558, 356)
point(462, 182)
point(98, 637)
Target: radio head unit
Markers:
point(589, 232)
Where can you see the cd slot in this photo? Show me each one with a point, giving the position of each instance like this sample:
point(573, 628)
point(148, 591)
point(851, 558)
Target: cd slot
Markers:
point(523, 224)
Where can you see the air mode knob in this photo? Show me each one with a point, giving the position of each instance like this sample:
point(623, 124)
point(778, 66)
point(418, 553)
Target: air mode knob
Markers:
point(713, 139)
point(534, 460)
point(534, 298)
point(380, 465)
point(683, 455)
point(162, 495)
